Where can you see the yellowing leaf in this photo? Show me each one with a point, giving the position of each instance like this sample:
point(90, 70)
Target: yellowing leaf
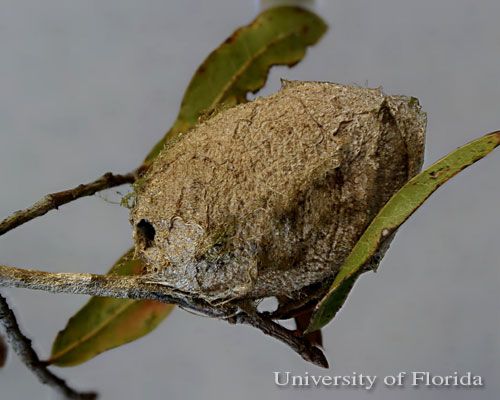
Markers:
point(278, 36)
point(104, 323)
point(396, 211)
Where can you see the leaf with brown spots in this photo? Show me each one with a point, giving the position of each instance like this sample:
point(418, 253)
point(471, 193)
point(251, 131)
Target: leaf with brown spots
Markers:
point(396, 211)
point(105, 323)
point(278, 36)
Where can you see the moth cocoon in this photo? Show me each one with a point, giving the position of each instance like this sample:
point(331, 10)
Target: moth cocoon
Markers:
point(268, 198)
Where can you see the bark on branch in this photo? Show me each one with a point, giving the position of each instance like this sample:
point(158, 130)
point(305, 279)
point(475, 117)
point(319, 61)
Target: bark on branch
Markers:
point(53, 201)
point(136, 287)
point(299, 344)
point(22, 347)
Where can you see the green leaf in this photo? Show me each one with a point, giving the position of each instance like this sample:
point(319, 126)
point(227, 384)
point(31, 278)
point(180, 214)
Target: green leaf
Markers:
point(104, 323)
point(278, 36)
point(396, 211)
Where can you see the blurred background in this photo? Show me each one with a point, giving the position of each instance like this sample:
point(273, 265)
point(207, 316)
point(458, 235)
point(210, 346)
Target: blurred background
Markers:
point(90, 86)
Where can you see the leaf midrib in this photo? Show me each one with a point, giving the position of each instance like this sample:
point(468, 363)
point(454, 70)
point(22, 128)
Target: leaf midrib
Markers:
point(245, 65)
point(91, 334)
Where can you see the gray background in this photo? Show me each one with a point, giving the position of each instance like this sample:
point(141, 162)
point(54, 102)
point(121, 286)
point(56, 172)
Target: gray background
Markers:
point(89, 86)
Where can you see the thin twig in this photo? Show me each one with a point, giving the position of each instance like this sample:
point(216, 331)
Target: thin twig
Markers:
point(22, 346)
point(135, 287)
point(300, 345)
point(53, 201)
point(3, 352)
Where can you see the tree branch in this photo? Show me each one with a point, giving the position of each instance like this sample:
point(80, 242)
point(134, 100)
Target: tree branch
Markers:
point(22, 346)
point(117, 286)
point(3, 352)
point(53, 201)
point(137, 287)
point(297, 343)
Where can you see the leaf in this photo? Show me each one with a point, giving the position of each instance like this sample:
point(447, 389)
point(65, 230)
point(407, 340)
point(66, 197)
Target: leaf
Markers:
point(104, 323)
point(3, 352)
point(278, 36)
point(396, 211)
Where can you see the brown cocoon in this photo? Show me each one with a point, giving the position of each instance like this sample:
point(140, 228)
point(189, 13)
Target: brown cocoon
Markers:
point(269, 197)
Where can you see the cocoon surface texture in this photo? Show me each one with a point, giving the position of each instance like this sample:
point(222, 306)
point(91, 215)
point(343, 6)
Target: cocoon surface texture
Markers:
point(268, 198)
